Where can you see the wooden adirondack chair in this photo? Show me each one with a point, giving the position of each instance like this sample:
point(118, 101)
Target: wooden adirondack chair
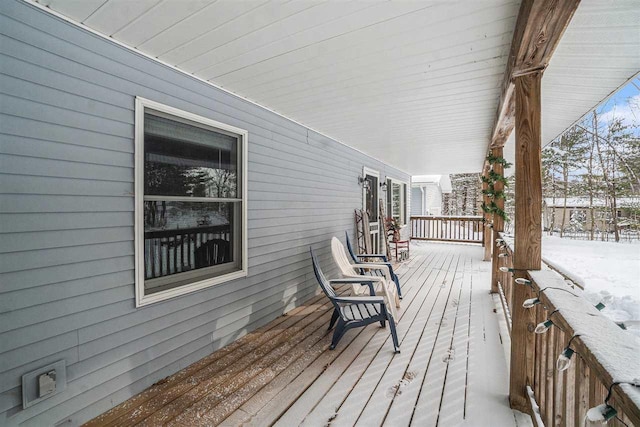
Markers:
point(354, 311)
point(383, 284)
point(368, 257)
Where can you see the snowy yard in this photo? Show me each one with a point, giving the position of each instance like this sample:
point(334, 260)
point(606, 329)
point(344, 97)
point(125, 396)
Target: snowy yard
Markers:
point(610, 272)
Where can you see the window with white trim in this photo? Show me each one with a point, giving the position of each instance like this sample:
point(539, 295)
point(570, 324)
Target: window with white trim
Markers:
point(190, 202)
point(397, 200)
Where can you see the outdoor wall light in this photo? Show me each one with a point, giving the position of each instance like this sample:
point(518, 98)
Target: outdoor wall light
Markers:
point(383, 186)
point(363, 182)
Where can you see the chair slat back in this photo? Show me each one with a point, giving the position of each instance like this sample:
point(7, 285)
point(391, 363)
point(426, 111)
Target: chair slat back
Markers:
point(350, 248)
point(340, 257)
point(322, 280)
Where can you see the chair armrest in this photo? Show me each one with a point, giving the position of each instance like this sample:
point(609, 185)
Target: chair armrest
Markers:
point(385, 263)
point(385, 269)
point(388, 265)
point(371, 266)
point(360, 300)
point(364, 281)
point(384, 257)
point(354, 280)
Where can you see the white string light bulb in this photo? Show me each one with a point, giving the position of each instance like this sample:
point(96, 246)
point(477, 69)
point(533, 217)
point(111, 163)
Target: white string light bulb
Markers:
point(543, 327)
point(564, 360)
point(529, 303)
point(601, 413)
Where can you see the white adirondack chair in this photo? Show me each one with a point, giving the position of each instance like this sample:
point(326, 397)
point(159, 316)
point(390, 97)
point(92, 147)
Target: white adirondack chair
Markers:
point(384, 285)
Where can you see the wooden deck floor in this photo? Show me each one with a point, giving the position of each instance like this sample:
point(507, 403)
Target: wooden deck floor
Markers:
point(451, 370)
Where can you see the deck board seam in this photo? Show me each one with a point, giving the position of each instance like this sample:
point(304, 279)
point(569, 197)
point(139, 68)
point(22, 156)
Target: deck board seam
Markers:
point(420, 303)
point(315, 317)
point(111, 417)
point(424, 322)
point(416, 274)
point(435, 342)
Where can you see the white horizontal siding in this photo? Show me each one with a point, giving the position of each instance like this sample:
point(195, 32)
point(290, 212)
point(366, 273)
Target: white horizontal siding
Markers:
point(66, 219)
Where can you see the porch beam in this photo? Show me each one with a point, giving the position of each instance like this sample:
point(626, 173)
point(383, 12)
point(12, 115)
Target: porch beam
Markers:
point(528, 233)
point(539, 28)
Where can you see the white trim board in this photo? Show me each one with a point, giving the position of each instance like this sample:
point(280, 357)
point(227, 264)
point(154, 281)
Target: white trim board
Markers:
point(141, 298)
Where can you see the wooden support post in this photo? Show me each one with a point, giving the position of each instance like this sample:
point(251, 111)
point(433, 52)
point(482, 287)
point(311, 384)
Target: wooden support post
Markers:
point(487, 235)
point(498, 223)
point(528, 233)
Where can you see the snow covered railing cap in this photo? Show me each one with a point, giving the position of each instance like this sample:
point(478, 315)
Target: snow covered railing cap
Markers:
point(578, 281)
point(611, 353)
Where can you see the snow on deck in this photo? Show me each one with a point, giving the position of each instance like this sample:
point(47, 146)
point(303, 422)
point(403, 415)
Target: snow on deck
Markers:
point(451, 370)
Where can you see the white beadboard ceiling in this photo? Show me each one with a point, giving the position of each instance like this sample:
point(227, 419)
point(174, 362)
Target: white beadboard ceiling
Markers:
point(414, 83)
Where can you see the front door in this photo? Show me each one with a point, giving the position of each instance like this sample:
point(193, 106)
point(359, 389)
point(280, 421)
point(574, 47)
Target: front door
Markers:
point(370, 205)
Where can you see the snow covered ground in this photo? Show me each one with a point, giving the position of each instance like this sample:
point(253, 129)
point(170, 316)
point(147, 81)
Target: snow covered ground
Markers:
point(610, 272)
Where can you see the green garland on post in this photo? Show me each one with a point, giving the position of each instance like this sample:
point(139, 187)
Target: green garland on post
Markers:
point(491, 192)
point(497, 159)
point(493, 178)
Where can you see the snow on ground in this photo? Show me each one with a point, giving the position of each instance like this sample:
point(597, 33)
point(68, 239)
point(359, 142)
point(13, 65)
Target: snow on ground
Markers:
point(609, 270)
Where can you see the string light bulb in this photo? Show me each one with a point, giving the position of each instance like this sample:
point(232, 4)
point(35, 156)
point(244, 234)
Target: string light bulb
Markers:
point(564, 360)
point(503, 255)
point(543, 327)
point(529, 303)
point(601, 413)
point(605, 412)
point(506, 269)
point(522, 281)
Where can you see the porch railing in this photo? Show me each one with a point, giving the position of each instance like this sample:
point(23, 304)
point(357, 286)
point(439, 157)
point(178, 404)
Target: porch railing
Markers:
point(467, 229)
point(175, 251)
point(600, 346)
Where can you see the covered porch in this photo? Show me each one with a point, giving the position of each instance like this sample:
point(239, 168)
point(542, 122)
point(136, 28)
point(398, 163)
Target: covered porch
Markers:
point(451, 371)
point(315, 96)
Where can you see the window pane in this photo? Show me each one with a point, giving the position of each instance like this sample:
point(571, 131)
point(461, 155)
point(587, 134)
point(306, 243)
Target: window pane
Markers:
point(405, 213)
point(389, 191)
point(395, 202)
point(183, 237)
point(371, 196)
point(187, 160)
